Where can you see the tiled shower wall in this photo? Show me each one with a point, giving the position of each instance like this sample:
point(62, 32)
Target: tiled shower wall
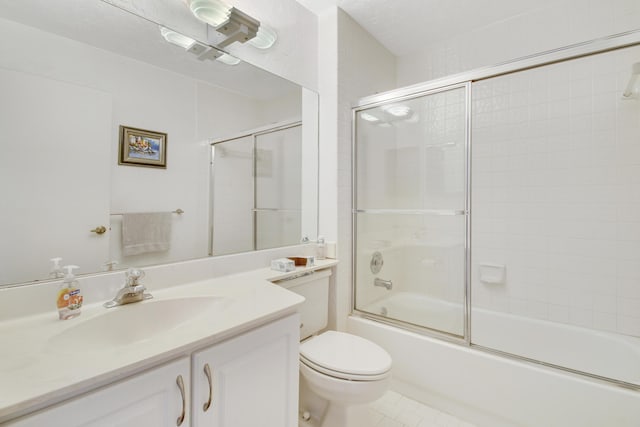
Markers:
point(556, 192)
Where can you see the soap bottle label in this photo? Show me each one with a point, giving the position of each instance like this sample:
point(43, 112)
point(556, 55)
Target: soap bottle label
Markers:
point(69, 302)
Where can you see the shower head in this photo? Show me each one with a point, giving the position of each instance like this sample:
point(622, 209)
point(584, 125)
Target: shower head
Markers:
point(631, 86)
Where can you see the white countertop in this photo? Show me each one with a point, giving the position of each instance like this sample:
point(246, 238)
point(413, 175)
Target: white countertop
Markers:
point(36, 371)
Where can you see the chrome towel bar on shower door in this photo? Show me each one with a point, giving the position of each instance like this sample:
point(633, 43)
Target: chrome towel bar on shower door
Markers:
point(447, 212)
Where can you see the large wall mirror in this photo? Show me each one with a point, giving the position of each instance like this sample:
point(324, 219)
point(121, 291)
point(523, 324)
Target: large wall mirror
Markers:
point(241, 146)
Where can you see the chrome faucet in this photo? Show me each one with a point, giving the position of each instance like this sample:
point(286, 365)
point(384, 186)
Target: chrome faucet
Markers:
point(387, 284)
point(132, 290)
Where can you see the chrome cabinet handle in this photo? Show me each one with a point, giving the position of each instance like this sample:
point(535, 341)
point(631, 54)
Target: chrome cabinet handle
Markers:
point(207, 372)
point(180, 383)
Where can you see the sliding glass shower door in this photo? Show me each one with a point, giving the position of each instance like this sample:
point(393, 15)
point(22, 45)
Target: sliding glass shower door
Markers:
point(278, 178)
point(256, 191)
point(410, 210)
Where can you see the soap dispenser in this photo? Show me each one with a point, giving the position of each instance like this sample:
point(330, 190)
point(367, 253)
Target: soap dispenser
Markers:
point(69, 297)
point(56, 271)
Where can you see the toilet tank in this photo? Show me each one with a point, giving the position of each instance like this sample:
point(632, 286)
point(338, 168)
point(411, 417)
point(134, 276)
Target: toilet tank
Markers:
point(314, 312)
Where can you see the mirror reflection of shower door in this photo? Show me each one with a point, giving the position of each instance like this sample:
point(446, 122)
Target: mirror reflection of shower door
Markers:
point(410, 210)
point(232, 196)
point(278, 166)
point(256, 191)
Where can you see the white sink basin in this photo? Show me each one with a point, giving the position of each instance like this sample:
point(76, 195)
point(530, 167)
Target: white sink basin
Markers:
point(132, 323)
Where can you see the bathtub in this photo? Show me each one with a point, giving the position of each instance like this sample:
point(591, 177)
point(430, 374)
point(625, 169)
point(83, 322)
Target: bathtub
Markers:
point(420, 309)
point(494, 391)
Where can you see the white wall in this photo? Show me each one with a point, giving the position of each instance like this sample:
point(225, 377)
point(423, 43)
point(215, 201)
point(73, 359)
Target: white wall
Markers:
point(363, 67)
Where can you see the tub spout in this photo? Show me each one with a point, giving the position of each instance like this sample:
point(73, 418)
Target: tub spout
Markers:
point(388, 284)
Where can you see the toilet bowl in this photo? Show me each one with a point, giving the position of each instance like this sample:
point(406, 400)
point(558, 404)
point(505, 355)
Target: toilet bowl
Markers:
point(348, 372)
point(340, 373)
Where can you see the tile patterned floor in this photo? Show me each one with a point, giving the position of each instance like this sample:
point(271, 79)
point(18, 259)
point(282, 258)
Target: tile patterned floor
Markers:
point(395, 410)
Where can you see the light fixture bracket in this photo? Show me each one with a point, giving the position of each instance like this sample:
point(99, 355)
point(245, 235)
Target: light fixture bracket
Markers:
point(204, 52)
point(239, 27)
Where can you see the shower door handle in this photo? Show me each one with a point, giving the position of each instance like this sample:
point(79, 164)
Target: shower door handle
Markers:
point(388, 284)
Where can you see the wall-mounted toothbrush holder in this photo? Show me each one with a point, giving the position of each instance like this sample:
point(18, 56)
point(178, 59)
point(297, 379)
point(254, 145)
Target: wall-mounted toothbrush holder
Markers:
point(492, 274)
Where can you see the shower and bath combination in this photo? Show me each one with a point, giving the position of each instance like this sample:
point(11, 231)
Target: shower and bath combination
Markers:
point(459, 180)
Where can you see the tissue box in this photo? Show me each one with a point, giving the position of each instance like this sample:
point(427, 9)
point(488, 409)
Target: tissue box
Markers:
point(283, 264)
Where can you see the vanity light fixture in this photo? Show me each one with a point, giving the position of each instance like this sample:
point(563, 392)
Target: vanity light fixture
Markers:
point(202, 51)
point(234, 24)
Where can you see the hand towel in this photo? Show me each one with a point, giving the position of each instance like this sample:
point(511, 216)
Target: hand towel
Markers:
point(146, 232)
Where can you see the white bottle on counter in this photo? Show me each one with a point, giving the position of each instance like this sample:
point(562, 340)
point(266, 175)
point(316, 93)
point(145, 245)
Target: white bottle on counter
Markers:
point(321, 248)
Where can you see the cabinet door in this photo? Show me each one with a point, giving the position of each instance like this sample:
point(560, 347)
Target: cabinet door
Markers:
point(254, 379)
point(152, 398)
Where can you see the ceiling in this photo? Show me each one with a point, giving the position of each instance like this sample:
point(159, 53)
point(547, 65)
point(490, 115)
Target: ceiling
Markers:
point(404, 26)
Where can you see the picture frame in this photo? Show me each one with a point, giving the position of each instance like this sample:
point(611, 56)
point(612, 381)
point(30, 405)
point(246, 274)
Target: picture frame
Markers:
point(140, 147)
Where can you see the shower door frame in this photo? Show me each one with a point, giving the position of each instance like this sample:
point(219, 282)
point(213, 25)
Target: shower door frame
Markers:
point(254, 134)
point(466, 336)
point(579, 50)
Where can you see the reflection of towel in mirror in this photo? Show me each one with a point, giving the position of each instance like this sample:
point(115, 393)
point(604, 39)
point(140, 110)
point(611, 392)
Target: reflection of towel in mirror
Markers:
point(145, 232)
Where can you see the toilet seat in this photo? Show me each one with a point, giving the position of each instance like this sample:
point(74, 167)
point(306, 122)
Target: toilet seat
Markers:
point(345, 356)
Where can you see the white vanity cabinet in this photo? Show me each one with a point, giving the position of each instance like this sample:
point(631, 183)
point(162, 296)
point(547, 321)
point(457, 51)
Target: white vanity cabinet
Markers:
point(250, 380)
point(152, 398)
point(253, 382)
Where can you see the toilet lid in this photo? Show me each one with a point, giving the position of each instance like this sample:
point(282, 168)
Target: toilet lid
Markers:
point(345, 356)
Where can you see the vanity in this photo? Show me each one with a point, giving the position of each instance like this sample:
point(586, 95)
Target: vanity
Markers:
point(221, 352)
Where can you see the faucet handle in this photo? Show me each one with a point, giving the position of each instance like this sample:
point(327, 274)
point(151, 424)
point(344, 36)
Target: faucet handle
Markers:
point(109, 265)
point(133, 275)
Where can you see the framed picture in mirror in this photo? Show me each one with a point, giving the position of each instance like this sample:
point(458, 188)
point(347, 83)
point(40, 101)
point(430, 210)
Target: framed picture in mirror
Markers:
point(139, 147)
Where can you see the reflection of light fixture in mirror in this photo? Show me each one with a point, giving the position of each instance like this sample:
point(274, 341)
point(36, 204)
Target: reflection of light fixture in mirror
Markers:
point(632, 87)
point(369, 117)
point(236, 25)
point(398, 110)
point(228, 59)
point(176, 38)
point(203, 52)
point(391, 114)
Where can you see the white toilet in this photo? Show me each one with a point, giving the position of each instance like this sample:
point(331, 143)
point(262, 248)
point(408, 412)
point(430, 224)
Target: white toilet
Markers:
point(340, 373)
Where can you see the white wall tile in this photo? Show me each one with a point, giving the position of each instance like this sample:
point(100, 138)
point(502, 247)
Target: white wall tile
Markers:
point(566, 195)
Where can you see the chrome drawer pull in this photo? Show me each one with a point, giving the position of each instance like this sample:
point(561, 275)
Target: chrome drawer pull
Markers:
point(207, 372)
point(180, 383)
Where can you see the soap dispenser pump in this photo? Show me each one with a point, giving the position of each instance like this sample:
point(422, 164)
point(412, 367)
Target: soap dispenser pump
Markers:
point(69, 297)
